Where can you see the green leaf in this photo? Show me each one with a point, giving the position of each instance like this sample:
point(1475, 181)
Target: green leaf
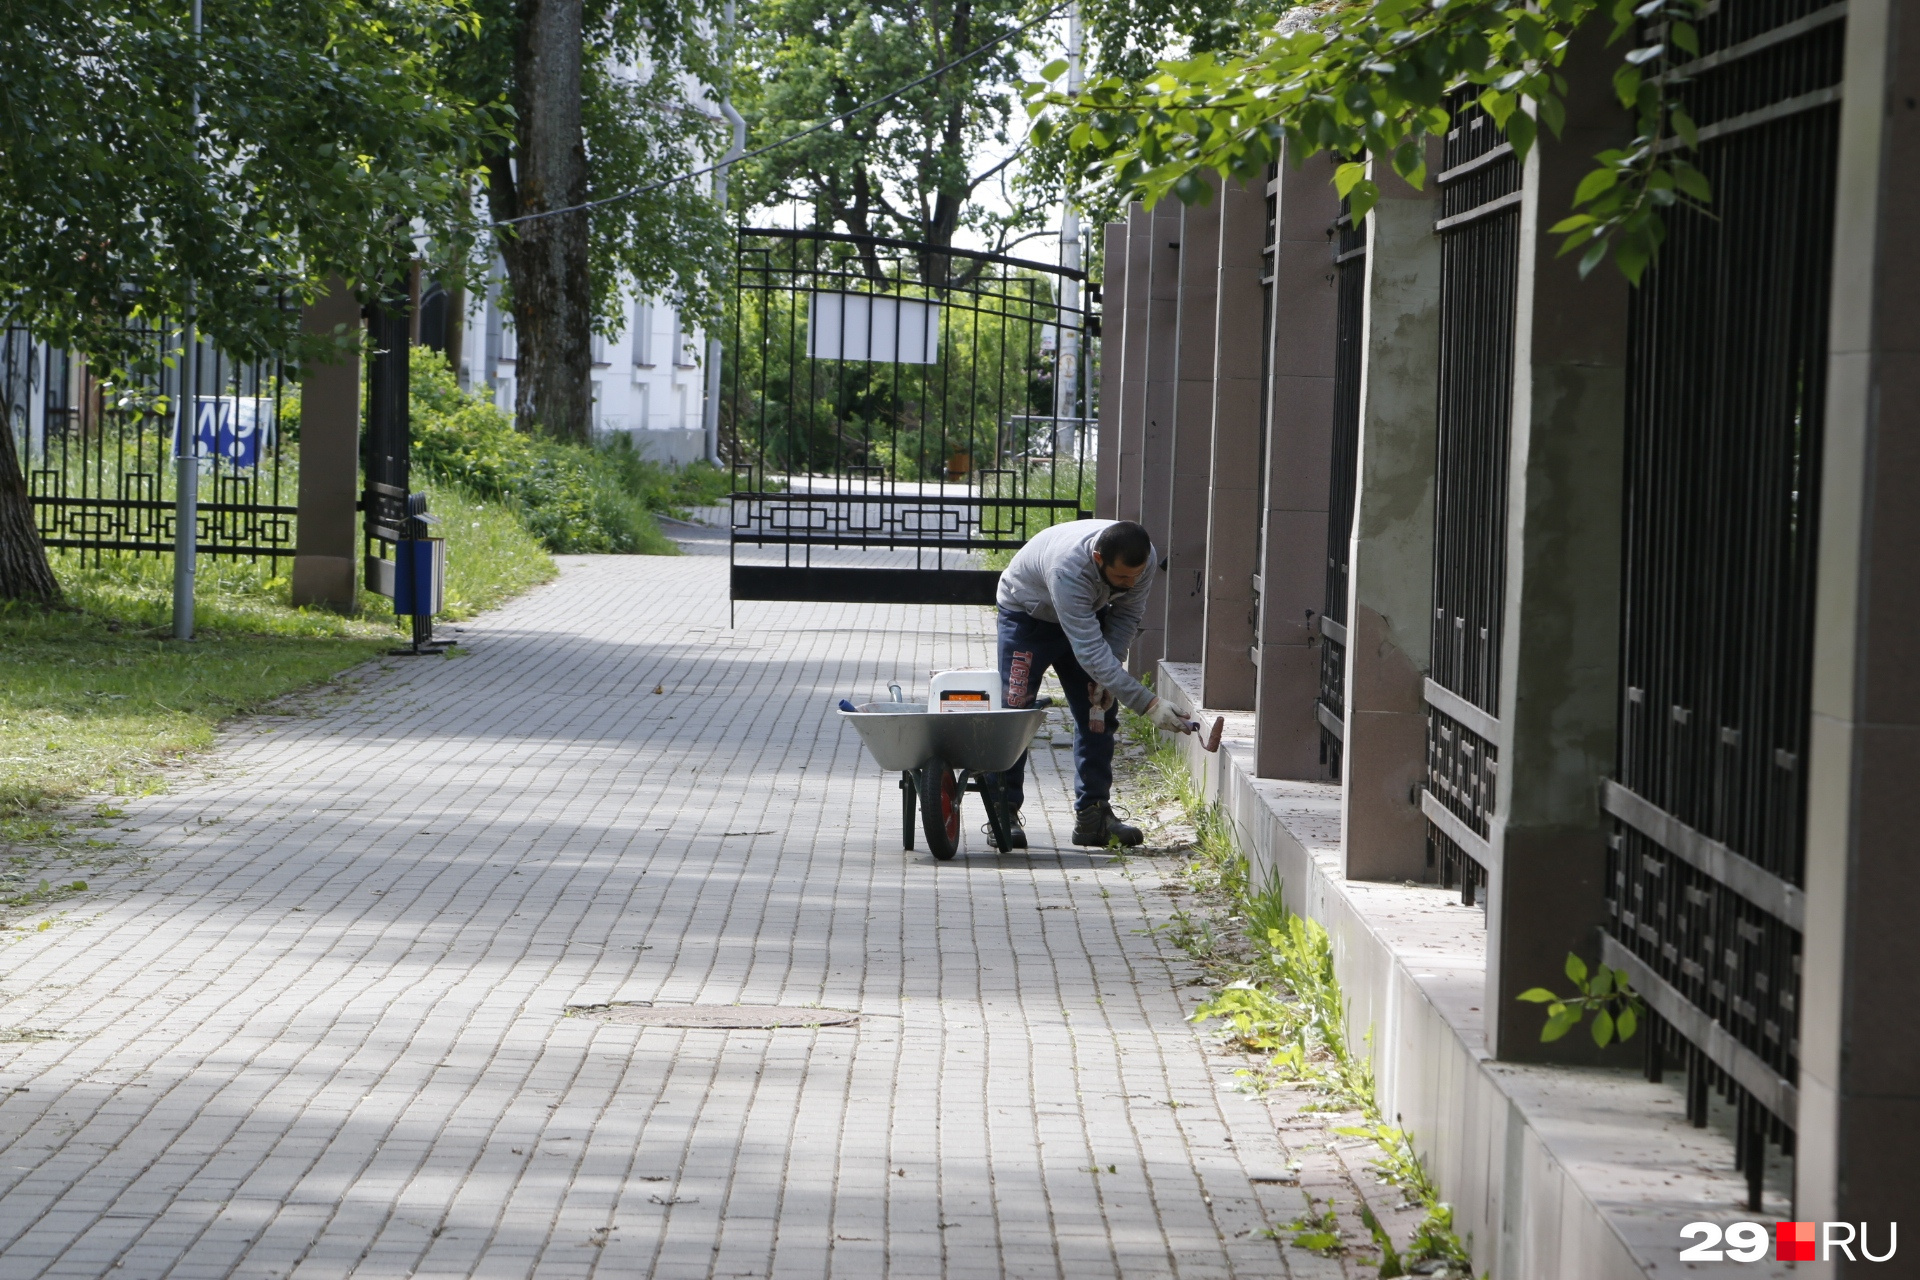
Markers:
point(1362, 199)
point(1602, 983)
point(1557, 1027)
point(1632, 256)
point(1683, 125)
point(1603, 1028)
point(1054, 70)
point(1537, 995)
point(1347, 177)
point(1521, 133)
point(1592, 185)
point(1626, 85)
point(1592, 258)
point(1693, 182)
point(1571, 224)
point(1577, 970)
point(1683, 35)
point(1553, 112)
point(1190, 189)
point(1627, 1023)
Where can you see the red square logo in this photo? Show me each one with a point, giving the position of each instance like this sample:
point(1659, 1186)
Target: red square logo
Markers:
point(1793, 1241)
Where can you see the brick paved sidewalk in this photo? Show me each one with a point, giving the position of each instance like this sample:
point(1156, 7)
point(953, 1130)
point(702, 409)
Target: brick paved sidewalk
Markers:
point(324, 1033)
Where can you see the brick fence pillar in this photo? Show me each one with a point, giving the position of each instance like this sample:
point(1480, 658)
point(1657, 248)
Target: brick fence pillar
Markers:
point(326, 537)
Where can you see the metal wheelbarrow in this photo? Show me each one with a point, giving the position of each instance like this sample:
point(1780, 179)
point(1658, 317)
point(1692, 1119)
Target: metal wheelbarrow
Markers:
point(943, 755)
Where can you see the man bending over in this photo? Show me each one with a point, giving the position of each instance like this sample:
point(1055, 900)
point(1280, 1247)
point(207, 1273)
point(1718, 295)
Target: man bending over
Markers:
point(1072, 600)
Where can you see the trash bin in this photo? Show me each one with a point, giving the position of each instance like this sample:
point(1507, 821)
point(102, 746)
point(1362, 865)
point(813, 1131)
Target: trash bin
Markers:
point(420, 576)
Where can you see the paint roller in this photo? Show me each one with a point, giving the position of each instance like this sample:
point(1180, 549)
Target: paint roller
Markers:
point(1210, 741)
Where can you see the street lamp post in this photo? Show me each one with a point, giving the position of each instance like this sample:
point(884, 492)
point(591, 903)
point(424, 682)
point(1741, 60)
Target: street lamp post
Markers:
point(1067, 359)
point(186, 485)
point(710, 417)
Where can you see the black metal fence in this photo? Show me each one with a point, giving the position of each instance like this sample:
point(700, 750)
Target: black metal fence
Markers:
point(1350, 268)
point(386, 444)
point(1727, 378)
point(1480, 187)
point(97, 450)
point(1269, 274)
point(895, 413)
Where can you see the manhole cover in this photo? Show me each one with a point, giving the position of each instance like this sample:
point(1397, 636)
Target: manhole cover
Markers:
point(724, 1017)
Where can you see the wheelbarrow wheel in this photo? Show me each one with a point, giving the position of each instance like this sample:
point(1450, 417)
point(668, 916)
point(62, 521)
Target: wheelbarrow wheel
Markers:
point(940, 792)
point(906, 811)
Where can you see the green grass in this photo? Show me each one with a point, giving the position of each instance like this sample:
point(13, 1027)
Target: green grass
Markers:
point(491, 556)
point(1277, 996)
point(95, 697)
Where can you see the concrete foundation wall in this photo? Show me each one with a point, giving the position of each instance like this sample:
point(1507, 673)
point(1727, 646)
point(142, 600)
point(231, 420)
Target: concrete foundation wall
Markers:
point(1554, 1173)
point(672, 447)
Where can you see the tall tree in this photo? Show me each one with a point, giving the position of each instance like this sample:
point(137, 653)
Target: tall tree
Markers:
point(1126, 40)
point(1373, 79)
point(324, 136)
point(604, 98)
point(915, 167)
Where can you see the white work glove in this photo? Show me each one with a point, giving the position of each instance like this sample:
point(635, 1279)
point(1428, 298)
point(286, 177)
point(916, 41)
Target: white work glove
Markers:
point(1163, 715)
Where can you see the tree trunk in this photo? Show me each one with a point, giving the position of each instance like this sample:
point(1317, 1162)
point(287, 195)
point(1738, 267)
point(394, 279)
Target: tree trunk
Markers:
point(456, 331)
point(547, 263)
point(24, 572)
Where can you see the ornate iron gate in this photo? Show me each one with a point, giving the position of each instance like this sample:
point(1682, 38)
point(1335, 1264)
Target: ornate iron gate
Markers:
point(1479, 228)
point(98, 452)
point(1726, 385)
point(899, 416)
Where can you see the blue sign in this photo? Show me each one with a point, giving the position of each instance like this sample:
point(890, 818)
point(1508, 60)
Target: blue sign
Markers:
point(238, 430)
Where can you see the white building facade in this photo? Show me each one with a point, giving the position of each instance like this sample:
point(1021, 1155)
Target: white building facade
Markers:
point(648, 382)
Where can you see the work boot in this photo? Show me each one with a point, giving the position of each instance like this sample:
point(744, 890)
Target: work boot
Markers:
point(1095, 825)
point(1017, 831)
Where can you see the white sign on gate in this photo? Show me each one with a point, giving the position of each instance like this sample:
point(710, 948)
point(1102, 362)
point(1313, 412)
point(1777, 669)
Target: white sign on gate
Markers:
point(859, 326)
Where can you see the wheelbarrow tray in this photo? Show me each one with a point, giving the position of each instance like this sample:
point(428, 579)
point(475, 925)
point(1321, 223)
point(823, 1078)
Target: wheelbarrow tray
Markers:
point(905, 735)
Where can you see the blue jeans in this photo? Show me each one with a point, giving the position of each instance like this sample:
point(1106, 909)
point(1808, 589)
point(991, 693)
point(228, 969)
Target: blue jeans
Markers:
point(1028, 647)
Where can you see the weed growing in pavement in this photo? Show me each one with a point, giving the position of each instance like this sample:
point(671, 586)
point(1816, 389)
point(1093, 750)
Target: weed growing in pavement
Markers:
point(1390, 1260)
point(1278, 997)
point(1317, 1230)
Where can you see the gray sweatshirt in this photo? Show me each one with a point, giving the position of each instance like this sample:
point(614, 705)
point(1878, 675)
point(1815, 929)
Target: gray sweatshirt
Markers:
point(1055, 579)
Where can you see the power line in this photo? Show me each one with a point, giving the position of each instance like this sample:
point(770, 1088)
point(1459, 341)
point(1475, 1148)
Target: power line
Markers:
point(809, 130)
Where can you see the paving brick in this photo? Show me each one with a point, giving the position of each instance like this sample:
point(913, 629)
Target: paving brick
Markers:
point(326, 1034)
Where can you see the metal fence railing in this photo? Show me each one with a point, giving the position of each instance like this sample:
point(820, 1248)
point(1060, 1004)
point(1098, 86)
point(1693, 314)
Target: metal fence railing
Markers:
point(1726, 395)
point(96, 449)
point(1350, 268)
point(1480, 183)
